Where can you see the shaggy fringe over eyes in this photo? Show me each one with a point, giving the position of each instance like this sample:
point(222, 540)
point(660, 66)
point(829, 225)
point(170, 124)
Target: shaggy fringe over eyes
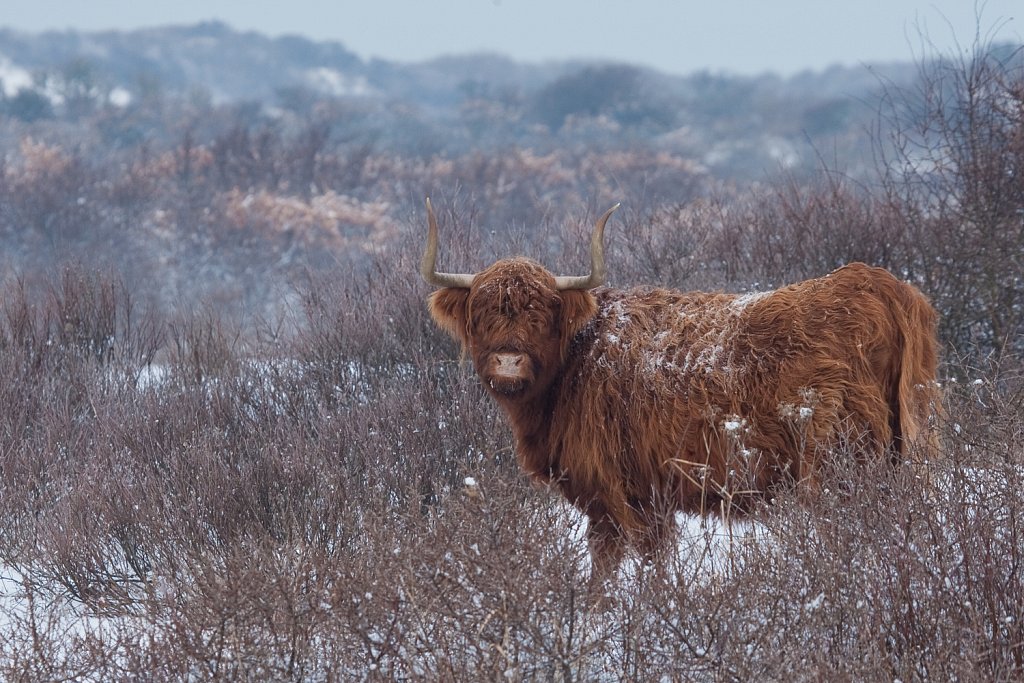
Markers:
point(450, 308)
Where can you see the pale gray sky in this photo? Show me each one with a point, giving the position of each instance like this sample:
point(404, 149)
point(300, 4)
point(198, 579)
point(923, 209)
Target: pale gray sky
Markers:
point(681, 36)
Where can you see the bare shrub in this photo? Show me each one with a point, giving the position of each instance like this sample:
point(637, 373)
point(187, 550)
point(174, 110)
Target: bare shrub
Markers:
point(204, 346)
point(950, 169)
point(345, 504)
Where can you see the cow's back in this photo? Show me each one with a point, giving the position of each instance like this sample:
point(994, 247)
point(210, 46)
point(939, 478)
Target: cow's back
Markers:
point(704, 397)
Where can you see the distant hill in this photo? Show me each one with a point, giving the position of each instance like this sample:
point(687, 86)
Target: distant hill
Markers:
point(232, 65)
point(209, 78)
point(244, 66)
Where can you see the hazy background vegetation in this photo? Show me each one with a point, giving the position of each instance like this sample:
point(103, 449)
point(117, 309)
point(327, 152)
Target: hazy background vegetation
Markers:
point(233, 446)
point(206, 162)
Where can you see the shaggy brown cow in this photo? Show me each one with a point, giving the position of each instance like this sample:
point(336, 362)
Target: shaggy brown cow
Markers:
point(640, 403)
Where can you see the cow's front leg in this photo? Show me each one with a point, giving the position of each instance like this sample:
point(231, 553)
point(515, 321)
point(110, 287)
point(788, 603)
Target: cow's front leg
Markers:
point(607, 548)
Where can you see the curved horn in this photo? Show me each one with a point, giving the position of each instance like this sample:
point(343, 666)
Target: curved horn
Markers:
point(597, 271)
point(428, 266)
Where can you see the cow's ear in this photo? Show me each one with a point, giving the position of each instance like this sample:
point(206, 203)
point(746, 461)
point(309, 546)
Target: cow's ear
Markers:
point(448, 309)
point(578, 307)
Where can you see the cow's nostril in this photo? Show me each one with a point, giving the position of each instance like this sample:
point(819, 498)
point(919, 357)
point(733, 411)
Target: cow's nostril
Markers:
point(509, 364)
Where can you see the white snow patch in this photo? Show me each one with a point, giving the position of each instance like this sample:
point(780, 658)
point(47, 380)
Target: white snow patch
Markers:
point(618, 310)
point(744, 300)
point(733, 424)
point(13, 78)
point(119, 97)
point(706, 359)
point(333, 82)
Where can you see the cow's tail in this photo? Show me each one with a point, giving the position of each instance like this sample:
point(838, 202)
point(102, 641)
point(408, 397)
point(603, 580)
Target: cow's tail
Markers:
point(917, 401)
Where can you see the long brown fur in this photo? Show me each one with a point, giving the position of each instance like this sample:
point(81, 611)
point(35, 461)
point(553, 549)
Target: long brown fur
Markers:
point(637, 404)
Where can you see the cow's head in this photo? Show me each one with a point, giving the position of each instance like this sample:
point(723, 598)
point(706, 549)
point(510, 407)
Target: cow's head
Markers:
point(515, 318)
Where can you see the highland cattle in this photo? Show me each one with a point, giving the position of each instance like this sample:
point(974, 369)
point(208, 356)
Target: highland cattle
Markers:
point(636, 404)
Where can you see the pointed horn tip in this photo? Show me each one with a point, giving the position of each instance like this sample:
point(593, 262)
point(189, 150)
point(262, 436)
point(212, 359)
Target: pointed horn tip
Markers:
point(607, 214)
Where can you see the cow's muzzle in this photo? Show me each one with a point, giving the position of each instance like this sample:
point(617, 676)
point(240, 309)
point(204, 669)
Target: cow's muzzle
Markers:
point(508, 373)
point(510, 365)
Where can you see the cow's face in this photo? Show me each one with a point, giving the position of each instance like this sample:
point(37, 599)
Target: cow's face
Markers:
point(516, 319)
point(515, 323)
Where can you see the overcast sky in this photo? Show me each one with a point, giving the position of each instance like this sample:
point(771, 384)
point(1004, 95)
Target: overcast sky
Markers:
point(676, 36)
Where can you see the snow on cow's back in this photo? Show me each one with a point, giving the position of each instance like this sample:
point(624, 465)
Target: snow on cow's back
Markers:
point(660, 334)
